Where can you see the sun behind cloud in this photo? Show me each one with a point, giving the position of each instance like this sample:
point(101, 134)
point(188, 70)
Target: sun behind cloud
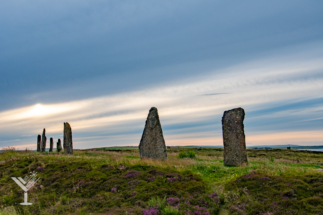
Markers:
point(39, 110)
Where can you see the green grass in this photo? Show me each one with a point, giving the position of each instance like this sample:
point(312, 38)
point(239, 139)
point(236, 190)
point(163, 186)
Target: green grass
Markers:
point(133, 157)
point(189, 154)
point(119, 182)
point(121, 148)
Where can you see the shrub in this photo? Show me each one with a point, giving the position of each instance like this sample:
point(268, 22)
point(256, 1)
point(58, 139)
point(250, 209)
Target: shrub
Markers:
point(182, 155)
point(169, 210)
point(151, 211)
point(158, 202)
point(172, 201)
point(191, 154)
point(40, 169)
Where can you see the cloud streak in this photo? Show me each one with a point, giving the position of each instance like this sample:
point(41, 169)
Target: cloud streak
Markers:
point(119, 119)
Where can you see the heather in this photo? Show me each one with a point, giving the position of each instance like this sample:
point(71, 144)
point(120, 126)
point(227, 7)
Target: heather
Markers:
point(117, 181)
point(259, 194)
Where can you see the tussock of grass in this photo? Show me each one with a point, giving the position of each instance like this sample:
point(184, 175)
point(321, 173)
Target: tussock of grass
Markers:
point(189, 154)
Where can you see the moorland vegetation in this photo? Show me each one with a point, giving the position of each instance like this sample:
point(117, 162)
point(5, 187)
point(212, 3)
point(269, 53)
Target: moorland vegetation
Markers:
point(190, 181)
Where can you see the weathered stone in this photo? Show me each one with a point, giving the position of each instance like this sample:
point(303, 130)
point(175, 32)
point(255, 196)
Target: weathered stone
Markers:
point(235, 153)
point(152, 143)
point(43, 141)
point(51, 142)
point(38, 143)
point(59, 145)
point(68, 144)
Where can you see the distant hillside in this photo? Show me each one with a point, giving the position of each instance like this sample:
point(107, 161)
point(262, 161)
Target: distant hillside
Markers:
point(285, 146)
point(273, 146)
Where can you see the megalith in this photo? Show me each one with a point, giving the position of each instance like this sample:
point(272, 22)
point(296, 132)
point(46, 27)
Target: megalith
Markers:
point(59, 145)
point(38, 143)
point(43, 141)
point(51, 142)
point(67, 142)
point(152, 143)
point(235, 153)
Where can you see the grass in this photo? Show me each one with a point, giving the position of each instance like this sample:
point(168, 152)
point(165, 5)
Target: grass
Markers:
point(119, 182)
point(189, 154)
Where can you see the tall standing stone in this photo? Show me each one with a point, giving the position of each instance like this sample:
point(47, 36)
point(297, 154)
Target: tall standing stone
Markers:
point(152, 143)
point(43, 142)
point(59, 145)
point(235, 153)
point(38, 143)
point(68, 144)
point(51, 142)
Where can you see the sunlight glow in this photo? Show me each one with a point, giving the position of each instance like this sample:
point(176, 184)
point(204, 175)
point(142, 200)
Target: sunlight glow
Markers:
point(39, 110)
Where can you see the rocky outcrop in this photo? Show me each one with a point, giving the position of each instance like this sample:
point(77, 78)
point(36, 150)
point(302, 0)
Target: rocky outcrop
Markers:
point(67, 142)
point(235, 153)
point(152, 143)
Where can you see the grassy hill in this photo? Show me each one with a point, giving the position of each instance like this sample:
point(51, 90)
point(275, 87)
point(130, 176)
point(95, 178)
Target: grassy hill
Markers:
point(117, 181)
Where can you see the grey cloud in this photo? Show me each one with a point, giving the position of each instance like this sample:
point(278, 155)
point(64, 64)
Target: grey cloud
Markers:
point(47, 46)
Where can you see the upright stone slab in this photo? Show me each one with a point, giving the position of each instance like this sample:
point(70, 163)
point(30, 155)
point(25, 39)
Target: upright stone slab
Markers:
point(38, 143)
point(59, 145)
point(235, 153)
point(43, 141)
point(51, 142)
point(68, 144)
point(152, 143)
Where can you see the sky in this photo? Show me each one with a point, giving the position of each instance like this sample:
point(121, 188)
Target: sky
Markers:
point(101, 65)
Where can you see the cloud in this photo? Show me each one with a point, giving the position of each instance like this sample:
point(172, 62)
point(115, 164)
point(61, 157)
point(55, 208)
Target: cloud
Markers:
point(214, 94)
point(53, 52)
point(119, 119)
point(100, 66)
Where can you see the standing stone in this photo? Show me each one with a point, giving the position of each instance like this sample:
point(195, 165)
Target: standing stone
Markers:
point(43, 142)
point(38, 143)
point(59, 145)
point(235, 153)
point(68, 144)
point(152, 143)
point(51, 142)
